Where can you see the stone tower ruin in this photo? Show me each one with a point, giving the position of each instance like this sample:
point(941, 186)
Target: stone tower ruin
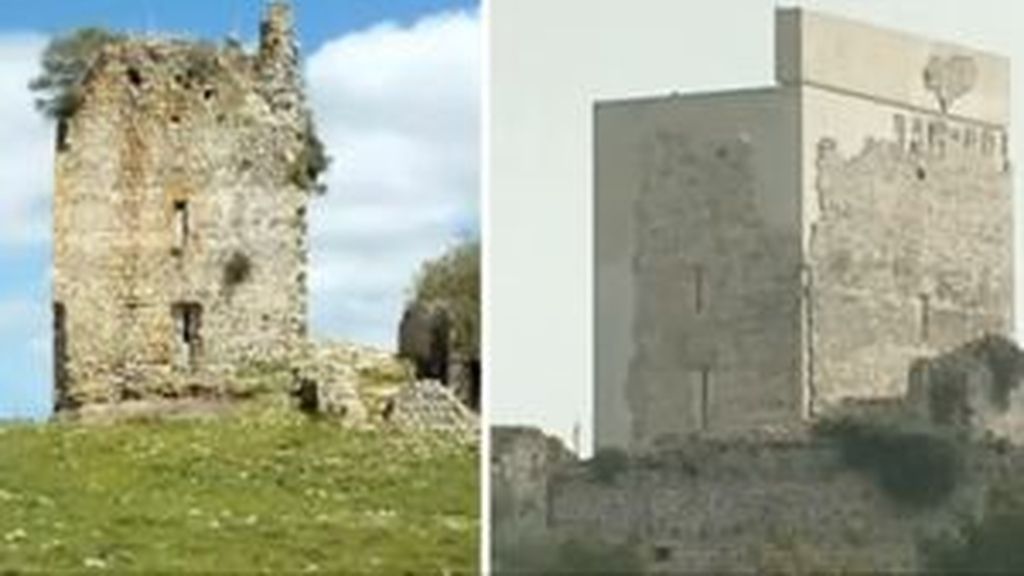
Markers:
point(764, 255)
point(180, 228)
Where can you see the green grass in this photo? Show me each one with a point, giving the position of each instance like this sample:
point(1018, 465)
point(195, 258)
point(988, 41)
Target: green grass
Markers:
point(273, 493)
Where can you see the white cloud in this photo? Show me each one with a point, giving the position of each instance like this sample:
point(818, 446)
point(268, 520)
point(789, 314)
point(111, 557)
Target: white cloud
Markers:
point(25, 141)
point(25, 360)
point(26, 160)
point(398, 108)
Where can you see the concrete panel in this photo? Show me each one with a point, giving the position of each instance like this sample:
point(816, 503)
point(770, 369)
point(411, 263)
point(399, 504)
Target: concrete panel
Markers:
point(696, 265)
point(892, 67)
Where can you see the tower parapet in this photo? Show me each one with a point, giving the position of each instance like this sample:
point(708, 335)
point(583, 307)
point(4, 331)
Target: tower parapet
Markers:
point(278, 54)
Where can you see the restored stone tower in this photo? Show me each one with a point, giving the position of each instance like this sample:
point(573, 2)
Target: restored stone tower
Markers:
point(180, 235)
point(764, 255)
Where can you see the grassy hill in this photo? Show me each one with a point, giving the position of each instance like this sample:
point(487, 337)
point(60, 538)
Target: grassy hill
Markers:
point(268, 492)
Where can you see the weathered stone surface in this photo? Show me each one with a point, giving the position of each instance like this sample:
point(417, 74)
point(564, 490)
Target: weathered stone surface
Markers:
point(363, 386)
point(180, 242)
point(332, 391)
point(774, 268)
point(429, 405)
point(347, 381)
point(752, 507)
point(764, 256)
point(465, 380)
point(426, 337)
point(977, 387)
point(129, 410)
point(910, 256)
point(522, 460)
point(748, 504)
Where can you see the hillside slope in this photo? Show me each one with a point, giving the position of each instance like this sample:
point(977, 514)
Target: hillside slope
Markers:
point(256, 491)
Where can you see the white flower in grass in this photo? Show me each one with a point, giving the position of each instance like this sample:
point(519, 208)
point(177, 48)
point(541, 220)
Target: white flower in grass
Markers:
point(94, 563)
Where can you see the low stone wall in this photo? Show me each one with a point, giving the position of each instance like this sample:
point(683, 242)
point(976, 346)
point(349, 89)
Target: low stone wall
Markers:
point(738, 506)
point(352, 384)
point(791, 504)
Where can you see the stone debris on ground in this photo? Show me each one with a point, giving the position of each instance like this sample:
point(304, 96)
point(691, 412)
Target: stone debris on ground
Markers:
point(356, 385)
point(366, 386)
point(429, 405)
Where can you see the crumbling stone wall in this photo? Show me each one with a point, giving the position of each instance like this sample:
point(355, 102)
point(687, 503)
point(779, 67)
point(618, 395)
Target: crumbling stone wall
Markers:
point(427, 338)
point(180, 240)
point(975, 387)
point(716, 295)
point(429, 405)
point(790, 506)
point(522, 461)
point(424, 337)
point(763, 256)
point(910, 255)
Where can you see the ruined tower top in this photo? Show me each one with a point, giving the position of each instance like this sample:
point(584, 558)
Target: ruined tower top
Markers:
point(278, 47)
point(181, 189)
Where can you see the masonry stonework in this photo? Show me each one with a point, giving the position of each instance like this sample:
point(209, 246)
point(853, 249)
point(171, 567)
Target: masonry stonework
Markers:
point(180, 229)
point(764, 256)
point(911, 257)
point(803, 301)
point(754, 506)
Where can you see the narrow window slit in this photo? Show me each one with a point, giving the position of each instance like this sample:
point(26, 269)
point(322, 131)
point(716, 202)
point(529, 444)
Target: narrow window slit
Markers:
point(705, 384)
point(62, 135)
point(662, 553)
point(900, 128)
point(181, 225)
point(135, 77)
point(60, 356)
point(925, 320)
point(698, 289)
point(187, 323)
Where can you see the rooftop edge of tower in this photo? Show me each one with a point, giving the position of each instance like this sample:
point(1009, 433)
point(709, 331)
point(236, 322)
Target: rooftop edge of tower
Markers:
point(849, 56)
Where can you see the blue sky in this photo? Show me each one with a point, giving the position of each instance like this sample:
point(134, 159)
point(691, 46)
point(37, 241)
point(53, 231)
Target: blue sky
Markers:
point(394, 87)
point(320, 20)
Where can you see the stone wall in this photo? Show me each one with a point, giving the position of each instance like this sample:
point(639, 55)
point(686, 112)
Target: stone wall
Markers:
point(180, 240)
point(716, 295)
point(748, 506)
point(697, 252)
point(976, 387)
point(428, 337)
point(910, 254)
point(430, 405)
point(762, 256)
point(522, 460)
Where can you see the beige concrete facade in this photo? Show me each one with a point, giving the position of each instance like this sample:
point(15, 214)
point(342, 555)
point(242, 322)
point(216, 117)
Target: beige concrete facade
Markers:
point(762, 256)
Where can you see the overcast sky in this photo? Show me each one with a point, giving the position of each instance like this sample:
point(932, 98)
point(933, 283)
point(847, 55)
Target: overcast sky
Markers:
point(394, 88)
point(549, 62)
